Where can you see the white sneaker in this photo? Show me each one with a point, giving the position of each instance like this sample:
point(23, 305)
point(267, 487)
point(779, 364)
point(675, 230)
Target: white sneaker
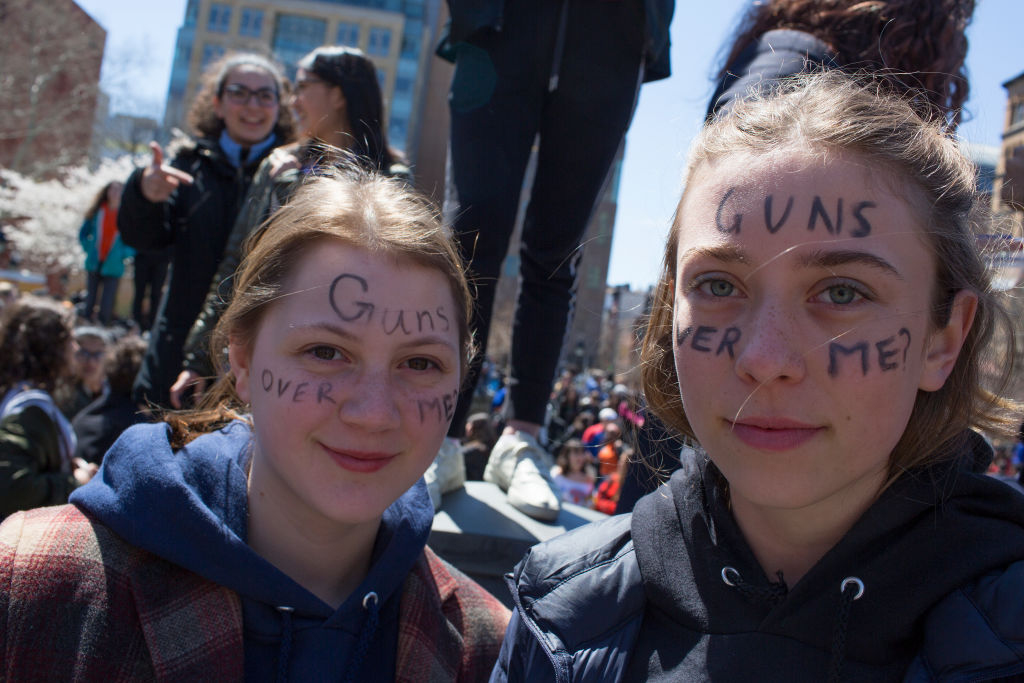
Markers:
point(521, 467)
point(447, 473)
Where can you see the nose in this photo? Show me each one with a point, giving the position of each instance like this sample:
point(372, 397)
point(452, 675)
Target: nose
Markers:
point(370, 402)
point(771, 348)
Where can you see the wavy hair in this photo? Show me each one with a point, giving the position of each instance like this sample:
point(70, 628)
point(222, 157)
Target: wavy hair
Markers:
point(920, 44)
point(35, 339)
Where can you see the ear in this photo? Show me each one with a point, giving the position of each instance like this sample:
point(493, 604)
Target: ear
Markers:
point(238, 357)
point(337, 98)
point(943, 345)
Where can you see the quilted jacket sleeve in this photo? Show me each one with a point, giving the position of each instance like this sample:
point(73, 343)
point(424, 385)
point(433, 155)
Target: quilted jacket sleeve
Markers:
point(976, 633)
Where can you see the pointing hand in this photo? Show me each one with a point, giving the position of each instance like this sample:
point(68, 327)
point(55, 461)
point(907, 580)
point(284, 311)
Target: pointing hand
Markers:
point(159, 180)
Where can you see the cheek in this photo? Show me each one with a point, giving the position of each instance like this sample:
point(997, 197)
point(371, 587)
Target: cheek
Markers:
point(429, 409)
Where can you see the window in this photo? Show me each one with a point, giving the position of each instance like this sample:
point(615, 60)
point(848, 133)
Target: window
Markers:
point(380, 42)
point(211, 53)
point(296, 35)
point(403, 84)
point(220, 18)
point(398, 131)
point(382, 79)
point(192, 13)
point(1017, 113)
point(348, 34)
point(411, 47)
point(252, 22)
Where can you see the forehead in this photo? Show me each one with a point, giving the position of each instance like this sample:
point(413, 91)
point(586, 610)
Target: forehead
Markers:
point(90, 342)
point(784, 201)
point(250, 75)
point(338, 274)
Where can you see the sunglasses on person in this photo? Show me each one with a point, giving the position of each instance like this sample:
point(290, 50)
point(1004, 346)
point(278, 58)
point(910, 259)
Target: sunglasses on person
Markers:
point(236, 93)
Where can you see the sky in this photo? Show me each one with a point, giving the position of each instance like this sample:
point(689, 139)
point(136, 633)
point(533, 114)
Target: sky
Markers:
point(140, 48)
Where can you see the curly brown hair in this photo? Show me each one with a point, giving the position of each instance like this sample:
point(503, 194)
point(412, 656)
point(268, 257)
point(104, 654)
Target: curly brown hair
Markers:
point(920, 44)
point(202, 117)
point(122, 361)
point(835, 112)
point(35, 336)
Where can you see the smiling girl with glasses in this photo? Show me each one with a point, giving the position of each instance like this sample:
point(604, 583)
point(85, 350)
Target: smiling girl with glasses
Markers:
point(187, 204)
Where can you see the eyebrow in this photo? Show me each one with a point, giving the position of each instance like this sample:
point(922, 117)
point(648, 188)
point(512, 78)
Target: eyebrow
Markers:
point(831, 259)
point(334, 328)
point(725, 253)
point(815, 259)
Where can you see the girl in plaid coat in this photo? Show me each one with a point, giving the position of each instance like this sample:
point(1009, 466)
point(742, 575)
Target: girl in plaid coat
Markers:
point(279, 531)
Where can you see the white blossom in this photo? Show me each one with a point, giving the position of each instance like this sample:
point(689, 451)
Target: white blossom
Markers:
point(41, 218)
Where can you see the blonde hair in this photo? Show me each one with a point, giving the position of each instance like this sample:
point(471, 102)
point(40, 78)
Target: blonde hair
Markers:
point(833, 112)
point(355, 206)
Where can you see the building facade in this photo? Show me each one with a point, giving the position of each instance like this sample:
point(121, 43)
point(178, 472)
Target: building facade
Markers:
point(51, 54)
point(1008, 189)
point(396, 34)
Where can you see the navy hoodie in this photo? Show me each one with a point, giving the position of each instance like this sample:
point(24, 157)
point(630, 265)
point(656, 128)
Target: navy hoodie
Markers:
point(190, 507)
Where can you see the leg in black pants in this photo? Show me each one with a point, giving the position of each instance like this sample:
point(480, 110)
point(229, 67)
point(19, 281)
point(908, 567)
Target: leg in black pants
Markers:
point(150, 272)
point(500, 101)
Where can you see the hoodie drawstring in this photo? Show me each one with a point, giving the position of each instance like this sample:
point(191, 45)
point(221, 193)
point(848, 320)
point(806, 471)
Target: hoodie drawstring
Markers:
point(285, 652)
point(371, 603)
point(772, 594)
point(850, 589)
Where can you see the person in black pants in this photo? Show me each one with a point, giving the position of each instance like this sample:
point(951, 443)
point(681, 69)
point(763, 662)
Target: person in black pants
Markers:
point(568, 72)
point(150, 273)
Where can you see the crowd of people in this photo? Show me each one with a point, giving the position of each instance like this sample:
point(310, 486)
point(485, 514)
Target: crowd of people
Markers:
point(805, 464)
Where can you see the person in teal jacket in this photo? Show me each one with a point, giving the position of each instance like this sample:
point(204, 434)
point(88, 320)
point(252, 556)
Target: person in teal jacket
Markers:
point(105, 253)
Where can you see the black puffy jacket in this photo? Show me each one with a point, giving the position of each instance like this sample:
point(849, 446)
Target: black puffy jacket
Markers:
point(940, 554)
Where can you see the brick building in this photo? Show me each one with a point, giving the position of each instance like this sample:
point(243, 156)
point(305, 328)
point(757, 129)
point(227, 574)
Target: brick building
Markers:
point(51, 54)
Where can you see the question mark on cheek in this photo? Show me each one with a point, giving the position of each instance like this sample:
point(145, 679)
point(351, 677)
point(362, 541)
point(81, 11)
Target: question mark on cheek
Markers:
point(904, 332)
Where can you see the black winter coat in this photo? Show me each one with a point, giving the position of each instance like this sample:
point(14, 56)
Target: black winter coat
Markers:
point(195, 221)
point(673, 592)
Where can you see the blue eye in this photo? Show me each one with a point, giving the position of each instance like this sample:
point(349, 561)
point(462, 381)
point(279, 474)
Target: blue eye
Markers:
point(842, 294)
point(718, 288)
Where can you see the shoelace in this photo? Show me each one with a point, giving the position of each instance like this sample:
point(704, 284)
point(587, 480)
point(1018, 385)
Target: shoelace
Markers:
point(850, 589)
point(371, 603)
point(285, 651)
point(771, 594)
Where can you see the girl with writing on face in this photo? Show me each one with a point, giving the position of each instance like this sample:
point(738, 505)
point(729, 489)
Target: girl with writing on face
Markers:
point(817, 332)
point(279, 531)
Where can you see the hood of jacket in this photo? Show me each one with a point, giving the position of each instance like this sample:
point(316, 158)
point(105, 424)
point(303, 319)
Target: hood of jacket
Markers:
point(934, 530)
point(190, 507)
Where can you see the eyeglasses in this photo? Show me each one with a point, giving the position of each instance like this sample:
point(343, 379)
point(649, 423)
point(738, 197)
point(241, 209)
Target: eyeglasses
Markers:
point(85, 354)
point(239, 94)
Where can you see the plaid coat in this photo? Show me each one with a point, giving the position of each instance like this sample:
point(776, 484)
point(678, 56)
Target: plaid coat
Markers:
point(78, 603)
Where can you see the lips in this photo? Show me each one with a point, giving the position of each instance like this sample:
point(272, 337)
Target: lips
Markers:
point(773, 434)
point(359, 461)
